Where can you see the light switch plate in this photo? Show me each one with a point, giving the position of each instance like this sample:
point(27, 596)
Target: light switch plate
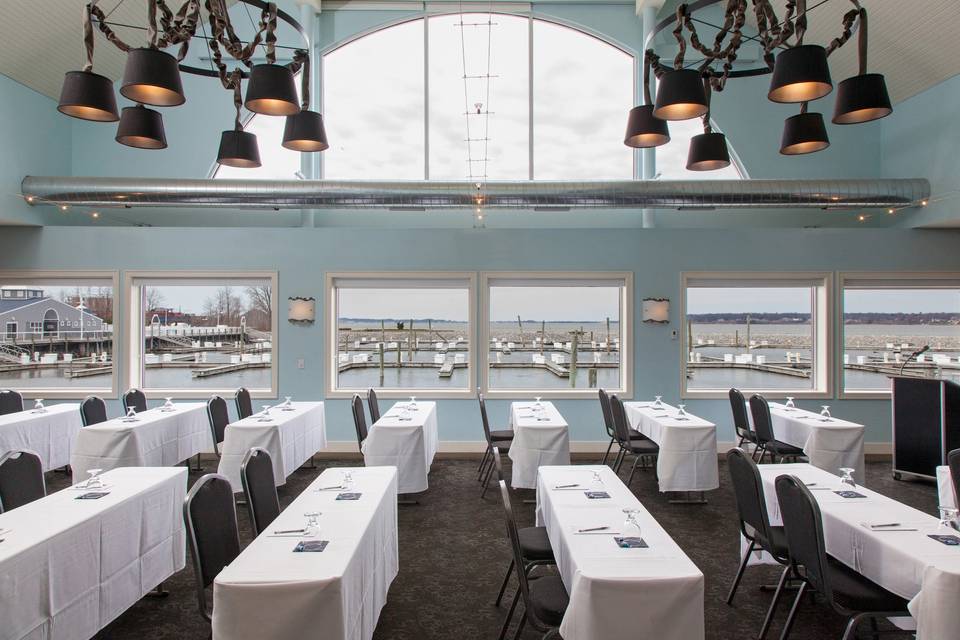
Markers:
point(300, 363)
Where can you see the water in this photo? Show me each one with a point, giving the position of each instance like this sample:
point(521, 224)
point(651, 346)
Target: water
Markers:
point(51, 378)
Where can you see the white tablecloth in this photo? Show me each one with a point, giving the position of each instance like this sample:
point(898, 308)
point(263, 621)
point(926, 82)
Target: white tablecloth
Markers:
point(290, 437)
point(630, 594)
point(69, 567)
point(688, 447)
point(271, 592)
point(908, 563)
point(945, 491)
point(50, 434)
point(539, 439)
point(158, 439)
point(407, 442)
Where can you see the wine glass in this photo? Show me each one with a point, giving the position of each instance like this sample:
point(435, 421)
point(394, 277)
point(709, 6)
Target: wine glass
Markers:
point(631, 526)
point(38, 406)
point(597, 479)
point(948, 519)
point(94, 481)
point(790, 406)
point(265, 414)
point(347, 482)
point(287, 404)
point(681, 412)
point(131, 415)
point(658, 402)
point(825, 413)
point(537, 404)
point(847, 482)
point(312, 530)
point(413, 403)
point(168, 405)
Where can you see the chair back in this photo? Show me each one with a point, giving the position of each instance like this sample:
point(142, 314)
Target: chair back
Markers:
point(373, 405)
point(762, 422)
point(10, 401)
point(748, 491)
point(219, 419)
point(93, 410)
point(607, 413)
point(260, 489)
point(136, 399)
point(359, 420)
point(483, 418)
point(514, 536)
point(21, 479)
point(741, 421)
point(804, 528)
point(244, 405)
point(210, 517)
point(621, 427)
point(953, 461)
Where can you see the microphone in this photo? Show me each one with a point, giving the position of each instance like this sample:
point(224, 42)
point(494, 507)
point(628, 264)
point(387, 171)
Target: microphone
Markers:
point(913, 355)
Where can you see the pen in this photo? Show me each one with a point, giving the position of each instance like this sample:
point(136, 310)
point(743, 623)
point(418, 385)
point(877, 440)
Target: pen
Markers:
point(593, 529)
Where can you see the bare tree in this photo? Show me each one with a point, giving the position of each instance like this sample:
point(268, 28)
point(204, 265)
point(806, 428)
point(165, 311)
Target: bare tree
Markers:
point(152, 298)
point(224, 306)
point(261, 299)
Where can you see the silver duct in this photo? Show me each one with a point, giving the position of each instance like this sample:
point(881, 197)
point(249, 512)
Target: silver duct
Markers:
point(413, 195)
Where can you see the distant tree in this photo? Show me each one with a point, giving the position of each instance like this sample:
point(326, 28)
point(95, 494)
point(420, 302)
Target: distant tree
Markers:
point(261, 299)
point(224, 307)
point(152, 298)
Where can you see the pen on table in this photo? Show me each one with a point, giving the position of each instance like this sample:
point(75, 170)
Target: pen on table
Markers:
point(566, 486)
point(592, 529)
point(889, 524)
point(289, 531)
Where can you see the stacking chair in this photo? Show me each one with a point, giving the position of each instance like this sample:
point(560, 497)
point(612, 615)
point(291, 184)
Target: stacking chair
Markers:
point(212, 534)
point(755, 525)
point(244, 405)
point(953, 460)
point(849, 593)
point(136, 399)
point(640, 449)
point(10, 402)
point(544, 598)
point(93, 410)
point(608, 424)
point(256, 476)
point(21, 479)
point(374, 405)
point(219, 419)
point(763, 424)
point(359, 420)
point(494, 439)
point(741, 420)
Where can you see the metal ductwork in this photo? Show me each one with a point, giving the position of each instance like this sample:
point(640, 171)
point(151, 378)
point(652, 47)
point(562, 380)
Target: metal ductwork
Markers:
point(414, 195)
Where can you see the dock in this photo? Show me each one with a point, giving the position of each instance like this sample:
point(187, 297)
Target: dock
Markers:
point(227, 368)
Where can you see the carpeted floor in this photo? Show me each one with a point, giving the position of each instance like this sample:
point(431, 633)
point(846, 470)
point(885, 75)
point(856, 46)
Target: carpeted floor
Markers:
point(453, 552)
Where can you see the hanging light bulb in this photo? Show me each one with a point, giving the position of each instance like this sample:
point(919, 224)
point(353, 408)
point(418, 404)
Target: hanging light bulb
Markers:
point(680, 96)
point(803, 133)
point(152, 77)
point(88, 96)
point(272, 91)
point(141, 128)
point(800, 74)
point(863, 97)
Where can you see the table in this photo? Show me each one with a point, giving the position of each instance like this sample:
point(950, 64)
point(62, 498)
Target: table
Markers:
point(945, 491)
point(159, 438)
point(405, 438)
point(908, 563)
point(688, 446)
point(69, 567)
point(616, 593)
point(291, 437)
point(270, 592)
point(539, 438)
point(50, 434)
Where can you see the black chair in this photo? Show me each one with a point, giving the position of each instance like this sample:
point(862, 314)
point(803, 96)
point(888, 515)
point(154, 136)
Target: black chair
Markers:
point(10, 402)
point(953, 461)
point(212, 534)
point(763, 425)
point(494, 438)
point(244, 405)
point(93, 410)
point(136, 399)
point(609, 426)
point(544, 598)
point(219, 418)
point(640, 449)
point(741, 420)
point(755, 525)
point(359, 420)
point(260, 489)
point(21, 479)
point(849, 593)
point(373, 405)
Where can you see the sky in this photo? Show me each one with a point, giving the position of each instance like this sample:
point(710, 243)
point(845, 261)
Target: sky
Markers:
point(776, 300)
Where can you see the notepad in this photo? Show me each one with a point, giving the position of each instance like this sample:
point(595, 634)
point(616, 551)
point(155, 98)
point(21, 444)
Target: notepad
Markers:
point(311, 546)
point(596, 495)
point(93, 495)
point(627, 542)
point(349, 496)
point(950, 541)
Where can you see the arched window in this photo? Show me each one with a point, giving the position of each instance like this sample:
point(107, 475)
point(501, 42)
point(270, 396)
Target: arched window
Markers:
point(51, 322)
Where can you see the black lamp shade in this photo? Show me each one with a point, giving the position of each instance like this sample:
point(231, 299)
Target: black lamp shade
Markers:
point(141, 128)
point(152, 77)
point(88, 96)
point(803, 133)
point(708, 152)
point(239, 149)
point(861, 99)
point(304, 132)
point(680, 96)
point(272, 91)
point(644, 130)
point(800, 74)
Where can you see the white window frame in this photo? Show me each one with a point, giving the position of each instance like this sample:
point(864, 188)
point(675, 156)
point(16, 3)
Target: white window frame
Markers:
point(332, 388)
point(133, 321)
point(880, 280)
point(626, 333)
point(822, 314)
point(109, 393)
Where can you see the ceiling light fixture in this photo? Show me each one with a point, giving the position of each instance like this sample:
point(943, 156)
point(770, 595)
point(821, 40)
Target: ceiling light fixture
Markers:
point(863, 97)
point(804, 133)
point(141, 128)
point(238, 148)
point(304, 131)
point(645, 130)
point(708, 151)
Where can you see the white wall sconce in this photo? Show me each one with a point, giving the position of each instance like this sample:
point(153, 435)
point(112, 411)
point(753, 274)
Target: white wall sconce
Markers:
point(656, 310)
point(301, 310)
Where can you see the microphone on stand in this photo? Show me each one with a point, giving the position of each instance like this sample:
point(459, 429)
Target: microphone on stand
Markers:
point(913, 355)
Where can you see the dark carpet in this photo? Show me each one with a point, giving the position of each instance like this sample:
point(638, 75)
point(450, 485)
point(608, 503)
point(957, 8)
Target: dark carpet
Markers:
point(453, 553)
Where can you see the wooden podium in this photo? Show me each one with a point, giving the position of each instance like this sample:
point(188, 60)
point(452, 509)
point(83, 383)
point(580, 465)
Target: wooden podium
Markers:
point(926, 424)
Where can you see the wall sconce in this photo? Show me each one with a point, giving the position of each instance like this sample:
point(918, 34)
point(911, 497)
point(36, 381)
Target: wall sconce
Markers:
point(656, 310)
point(301, 310)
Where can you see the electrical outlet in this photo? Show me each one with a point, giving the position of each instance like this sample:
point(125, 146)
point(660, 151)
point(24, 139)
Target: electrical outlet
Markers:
point(300, 361)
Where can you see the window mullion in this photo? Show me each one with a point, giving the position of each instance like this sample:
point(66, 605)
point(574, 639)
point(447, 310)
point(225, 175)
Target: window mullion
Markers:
point(426, 96)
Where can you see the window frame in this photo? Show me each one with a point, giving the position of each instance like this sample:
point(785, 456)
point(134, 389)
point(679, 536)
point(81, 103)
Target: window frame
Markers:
point(332, 389)
point(822, 314)
point(627, 354)
point(133, 321)
point(66, 393)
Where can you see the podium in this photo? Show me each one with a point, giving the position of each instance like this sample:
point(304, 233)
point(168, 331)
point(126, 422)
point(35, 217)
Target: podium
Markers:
point(926, 424)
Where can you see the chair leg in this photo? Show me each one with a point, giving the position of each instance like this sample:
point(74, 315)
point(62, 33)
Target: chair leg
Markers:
point(523, 621)
point(609, 446)
point(743, 566)
point(483, 463)
point(633, 470)
point(506, 621)
point(772, 609)
point(793, 612)
point(619, 461)
point(503, 587)
point(851, 630)
point(486, 480)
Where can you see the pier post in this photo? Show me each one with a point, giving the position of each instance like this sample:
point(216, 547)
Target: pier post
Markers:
point(592, 377)
point(381, 362)
point(413, 339)
point(574, 344)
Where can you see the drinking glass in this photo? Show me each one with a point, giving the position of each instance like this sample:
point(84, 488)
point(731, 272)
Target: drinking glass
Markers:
point(658, 402)
point(287, 404)
point(265, 415)
point(825, 413)
point(347, 482)
point(413, 403)
point(94, 481)
point(312, 530)
point(948, 519)
point(131, 415)
point(597, 479)
point(847, 482)
point(790, 405)
point(38, 406)
point(631, 526)
point(681, 413)
point(168, 405)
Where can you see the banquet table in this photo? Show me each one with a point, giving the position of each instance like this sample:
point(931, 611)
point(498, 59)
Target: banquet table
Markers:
point(158, 438)
point(945, 491)
point(908, 563)
point(404, 437)
point(688, 446)
point(269, 591)
point(68, 567)
point(540, 437)
point(290, 435)
point(50, 434)
point(629, 594)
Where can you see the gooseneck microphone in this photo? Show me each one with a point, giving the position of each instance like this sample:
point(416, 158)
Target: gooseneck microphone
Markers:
point(913, 355)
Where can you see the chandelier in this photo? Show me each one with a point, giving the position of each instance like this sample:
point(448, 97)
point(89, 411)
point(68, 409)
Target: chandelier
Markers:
point(799, 75)
point(151, 77)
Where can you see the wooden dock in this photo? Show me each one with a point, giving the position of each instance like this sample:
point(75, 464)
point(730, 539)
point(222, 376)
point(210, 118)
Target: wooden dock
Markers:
point(87, 372)
point(227, 368)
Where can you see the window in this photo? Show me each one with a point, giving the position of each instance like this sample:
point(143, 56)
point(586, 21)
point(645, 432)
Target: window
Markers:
point(886, 318)
point(401, 333)
point(58, 338)
point(201, 333)
point(756, 332)
point(557, 333)
point(672, 157)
